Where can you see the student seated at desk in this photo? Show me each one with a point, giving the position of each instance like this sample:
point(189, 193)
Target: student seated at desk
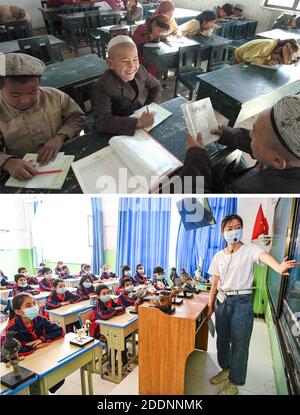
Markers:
point(58, 267)
point(107, 273)
point(123, 88)
point(22, 286)
point(125, 273)
point(274, 142)
point(127, 288)
point(167, 8)
point(238, 12)
point(105, 308)
point(224, 12)
point(85, 288)
point(287, 21)
point(268, 52)
point(203, 24)
point(31, 280)
point(60, 295)
point(58, 3)
point(10, 13)
point(42, 265)
point(46, 283)
point(65, 273)
point(140, 277)
point(32, 330)
point(34, 119)
point(134, 11)
point(5, 285)
point(159, 282)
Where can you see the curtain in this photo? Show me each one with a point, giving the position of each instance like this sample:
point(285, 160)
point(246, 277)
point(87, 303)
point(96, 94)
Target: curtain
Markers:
point(143, 233)
point(98, 245)
point(38, 256)
point(200, 245)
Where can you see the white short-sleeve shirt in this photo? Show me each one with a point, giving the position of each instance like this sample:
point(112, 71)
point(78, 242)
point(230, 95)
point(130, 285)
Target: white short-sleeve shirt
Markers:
point(236, 270)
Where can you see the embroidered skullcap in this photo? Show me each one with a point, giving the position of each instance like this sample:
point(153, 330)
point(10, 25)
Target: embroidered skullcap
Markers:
point(119, 39)
point(18, 64)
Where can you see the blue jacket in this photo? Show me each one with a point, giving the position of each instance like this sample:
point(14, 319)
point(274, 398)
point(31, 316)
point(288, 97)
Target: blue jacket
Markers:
point(54, 300)
point(84, 293)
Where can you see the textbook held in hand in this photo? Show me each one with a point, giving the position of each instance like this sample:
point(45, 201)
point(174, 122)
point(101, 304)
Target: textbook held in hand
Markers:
point(200, 118)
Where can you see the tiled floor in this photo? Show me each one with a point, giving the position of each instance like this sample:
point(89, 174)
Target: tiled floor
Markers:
point(260, 377)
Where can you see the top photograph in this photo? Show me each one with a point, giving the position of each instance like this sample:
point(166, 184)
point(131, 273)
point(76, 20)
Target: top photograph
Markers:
point(139, 97)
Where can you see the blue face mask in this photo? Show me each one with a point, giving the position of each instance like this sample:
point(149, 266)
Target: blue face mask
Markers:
point(32, 312)
point(105, 298)
point(87, 284)
point(128, 273)
point(233, 236)
point(160, 277)
point(141, 271)
point(48, 276)
point(61, 290)
point(24, 285)
point(129, 288)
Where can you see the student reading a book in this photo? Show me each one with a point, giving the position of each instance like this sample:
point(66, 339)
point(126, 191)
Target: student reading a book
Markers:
point(287, 21)
point(274, 142)
point(125, 87)
point(151, 31)
point(202, 25)
point(34, 119)
point(268, 52)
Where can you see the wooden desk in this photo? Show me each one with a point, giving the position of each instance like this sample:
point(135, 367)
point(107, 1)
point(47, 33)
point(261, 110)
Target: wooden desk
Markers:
point(57, 361)
point(72, 282)
point(116, 329)
point(110, 283)
point(12, 46)
point(68, 314)
point(166, 57)
point(75, 71)
point(166, 341)
point(242, 91)
point(181, 15)
point(171, 134)
point(281, 34)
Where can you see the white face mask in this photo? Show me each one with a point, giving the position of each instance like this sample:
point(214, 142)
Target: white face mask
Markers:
point(207, 32)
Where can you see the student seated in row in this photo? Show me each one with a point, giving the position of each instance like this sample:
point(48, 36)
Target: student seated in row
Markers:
point(9, 13)
point(238, 12)
point(42, 265)
point(167, 8)
point(46, 283)
point(104, 308)
point(58, 267)
point(287, 21)
point(22, 286)
point(159, 281)
point(5, 285)
point(31, 280)
point(125, 87)
point(60, 295)
point(85, 288)
point(140, 277)
point(87, 270)
point(34, 119)
point(268, 52)
point(274, 142)
point(125, 296)
point(224, 12)
point(134, 11)
point(107, 273)
point(203, 25)
point(32, 330)
point(65, 273)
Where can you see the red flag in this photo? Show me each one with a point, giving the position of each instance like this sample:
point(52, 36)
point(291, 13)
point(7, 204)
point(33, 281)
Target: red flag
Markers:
point(261, 225)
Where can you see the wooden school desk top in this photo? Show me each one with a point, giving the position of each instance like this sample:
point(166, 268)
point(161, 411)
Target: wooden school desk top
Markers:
point(12, 46)
point(66, 310)
point(80, 15)
point(171, 134)
point(122, 25)
point(281, 34)
point(73, 71)
point(121, 321)
point(47, 359)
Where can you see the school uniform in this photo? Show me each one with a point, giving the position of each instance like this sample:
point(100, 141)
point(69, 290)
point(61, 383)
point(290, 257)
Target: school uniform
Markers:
point(17, 289)
point(45, 285)
point(124, 300)
point(254, 180)
point(64, 275)
point(54, 300)
point(41, 328)
point(5, 283)
point(139, 279)
point(157, 287)
point(58, 270)
point(103, 311)
point(31, 280)
point(116, 100)
point(107, 276)
point(84, 293)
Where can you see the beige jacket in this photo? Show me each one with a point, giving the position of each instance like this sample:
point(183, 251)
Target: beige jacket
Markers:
point(9, 13)
point(27, 131)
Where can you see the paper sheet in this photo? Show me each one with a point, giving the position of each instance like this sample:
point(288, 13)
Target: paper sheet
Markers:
point(154, 45)
point(45, 181)
point(200, 118)
point(273, 67)
point(160, 114)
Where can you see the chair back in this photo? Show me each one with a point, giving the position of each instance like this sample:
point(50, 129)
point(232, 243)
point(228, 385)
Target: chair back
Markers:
point(83, 317)
point(189, 58)
point(92, 19)
point(68, 9)
point(218, 56)
point(251, 29)
point(239, 31)
point(38, 46)
point(17, 29)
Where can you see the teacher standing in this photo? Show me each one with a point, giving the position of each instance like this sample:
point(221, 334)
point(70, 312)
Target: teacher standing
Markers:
point(231, 300)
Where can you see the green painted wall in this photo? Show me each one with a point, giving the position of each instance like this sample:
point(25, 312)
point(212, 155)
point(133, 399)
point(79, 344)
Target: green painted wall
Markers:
point(10, 261)
point(110, 258)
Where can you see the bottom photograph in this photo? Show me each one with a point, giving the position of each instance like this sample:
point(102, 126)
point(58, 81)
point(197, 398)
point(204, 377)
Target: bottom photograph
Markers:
point(149, 295)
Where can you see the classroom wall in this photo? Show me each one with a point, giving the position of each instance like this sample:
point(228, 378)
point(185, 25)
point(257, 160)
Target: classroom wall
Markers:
point(253, 10)
point(31, 6)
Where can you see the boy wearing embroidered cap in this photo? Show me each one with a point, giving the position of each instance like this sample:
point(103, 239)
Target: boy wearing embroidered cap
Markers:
point(33, 119)
point(125, 87)
point(274, 142)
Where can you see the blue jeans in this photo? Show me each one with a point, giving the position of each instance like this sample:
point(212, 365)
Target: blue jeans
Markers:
point(234, 324)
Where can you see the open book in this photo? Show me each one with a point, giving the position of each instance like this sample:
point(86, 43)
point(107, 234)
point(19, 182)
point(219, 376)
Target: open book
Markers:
point(200, 118)
point(127, 165)
point(160, 114)
point(45, 181)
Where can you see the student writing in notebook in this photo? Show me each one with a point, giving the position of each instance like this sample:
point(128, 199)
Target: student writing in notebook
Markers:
point(34, 119)
point(125, 87)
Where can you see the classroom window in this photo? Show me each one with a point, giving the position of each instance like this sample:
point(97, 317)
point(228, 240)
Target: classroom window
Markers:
point(283, 4)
